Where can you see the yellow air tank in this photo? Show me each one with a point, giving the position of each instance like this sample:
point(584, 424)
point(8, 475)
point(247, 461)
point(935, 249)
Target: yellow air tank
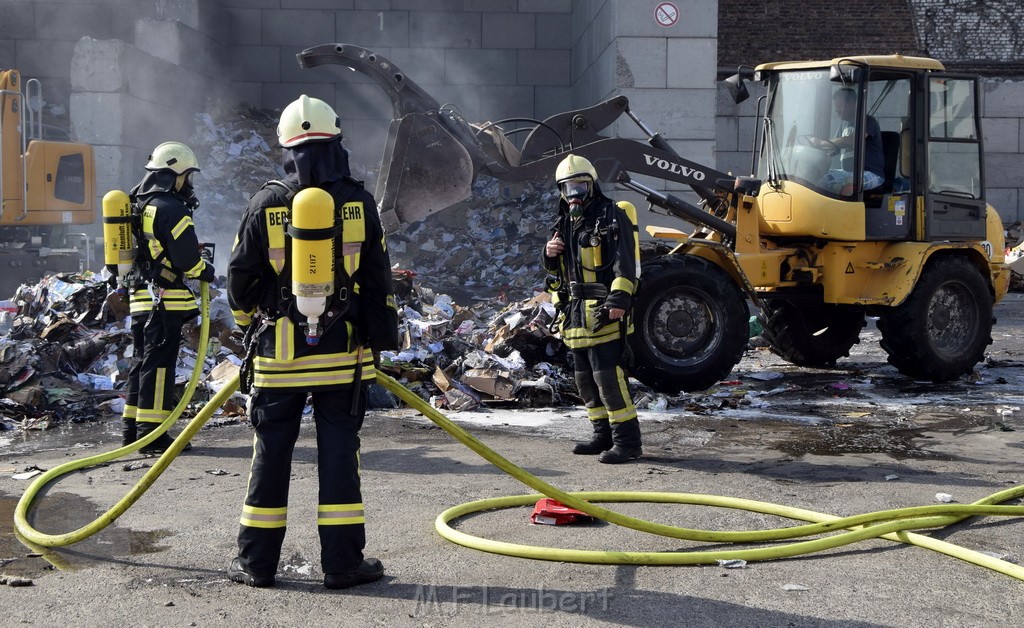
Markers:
point(312, 231)
point(118, 244)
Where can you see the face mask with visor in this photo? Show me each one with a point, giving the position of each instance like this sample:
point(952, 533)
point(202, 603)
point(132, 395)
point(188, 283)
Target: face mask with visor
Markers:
point(575, 189)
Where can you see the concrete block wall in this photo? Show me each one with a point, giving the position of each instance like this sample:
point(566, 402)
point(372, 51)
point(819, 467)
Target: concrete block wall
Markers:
point(1003, 136)
point(125, 101)
point(121, 75)
point(667, 72)
point(492, 59)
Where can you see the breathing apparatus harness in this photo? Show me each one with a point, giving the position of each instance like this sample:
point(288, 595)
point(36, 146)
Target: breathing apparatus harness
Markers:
point(341, 302)
point(126, 252)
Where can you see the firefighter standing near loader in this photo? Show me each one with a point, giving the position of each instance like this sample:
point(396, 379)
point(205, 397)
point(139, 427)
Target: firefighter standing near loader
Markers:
point(168, 253)
point(593, 262)
point(330, 357)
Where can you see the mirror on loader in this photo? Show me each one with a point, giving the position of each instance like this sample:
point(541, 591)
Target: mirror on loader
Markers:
point(736, 84)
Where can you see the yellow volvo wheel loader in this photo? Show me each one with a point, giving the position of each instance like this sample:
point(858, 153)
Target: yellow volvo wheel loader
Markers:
point(46, 188)
point(807, 237)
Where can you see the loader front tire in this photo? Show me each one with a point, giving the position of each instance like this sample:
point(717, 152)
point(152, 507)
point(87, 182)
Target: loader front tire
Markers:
point(690, 324)
point(810, 334)
point(941, 330)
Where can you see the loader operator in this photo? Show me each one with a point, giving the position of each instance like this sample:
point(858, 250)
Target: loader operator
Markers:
point(839, 180)
point(592, 259)
point(161, 302)
point(360, 320)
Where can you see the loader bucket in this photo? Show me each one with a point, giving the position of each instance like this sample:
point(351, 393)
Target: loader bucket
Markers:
point(424, 169)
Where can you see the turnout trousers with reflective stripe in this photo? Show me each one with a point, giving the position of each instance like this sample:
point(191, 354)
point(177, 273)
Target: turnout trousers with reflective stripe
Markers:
point(276, 417)
point(602, 382)
point(156, 340)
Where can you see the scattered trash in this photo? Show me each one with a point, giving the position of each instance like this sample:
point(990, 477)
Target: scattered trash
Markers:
point(732, 563)
point(945, 498)
point(765, 376)
point(216, 472)
point(15, 581)
point(891, 477)
point(26, 475)
point(795, 587)
point(135, 465)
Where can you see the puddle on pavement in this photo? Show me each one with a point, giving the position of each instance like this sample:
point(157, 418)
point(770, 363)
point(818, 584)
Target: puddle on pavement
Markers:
point(57, 513)
point(898, 441)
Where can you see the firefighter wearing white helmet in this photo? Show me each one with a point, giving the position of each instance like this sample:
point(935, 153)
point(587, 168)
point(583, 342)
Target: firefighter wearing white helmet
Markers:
point(167, 254)
point(283, 365)
point(307, 120)
point(592, 261)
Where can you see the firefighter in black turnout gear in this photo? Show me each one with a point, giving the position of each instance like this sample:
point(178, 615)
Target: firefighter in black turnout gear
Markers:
point(593, 263)
point(289, 364)
point(160, 303)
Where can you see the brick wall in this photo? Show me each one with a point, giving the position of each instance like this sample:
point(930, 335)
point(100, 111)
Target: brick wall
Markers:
point(977, 36)
point(752, 32)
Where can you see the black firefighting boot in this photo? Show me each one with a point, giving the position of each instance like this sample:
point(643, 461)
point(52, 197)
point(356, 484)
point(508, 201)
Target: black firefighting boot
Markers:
point(626, 439)
point(161, 444)
point(599, 442)
point(129, 434)
point(369, 570)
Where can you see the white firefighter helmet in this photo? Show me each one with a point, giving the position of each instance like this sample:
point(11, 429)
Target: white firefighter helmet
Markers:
point(307, 119)
point(173, 156)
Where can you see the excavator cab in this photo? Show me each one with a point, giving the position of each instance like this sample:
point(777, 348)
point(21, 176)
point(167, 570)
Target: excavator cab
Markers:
point(870, 148)
point(46, 187)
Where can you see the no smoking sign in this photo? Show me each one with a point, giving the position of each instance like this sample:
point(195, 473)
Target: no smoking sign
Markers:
point(666, 14)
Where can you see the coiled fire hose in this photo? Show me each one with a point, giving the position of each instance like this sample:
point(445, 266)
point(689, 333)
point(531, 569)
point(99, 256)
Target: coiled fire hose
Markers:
point(893, 525)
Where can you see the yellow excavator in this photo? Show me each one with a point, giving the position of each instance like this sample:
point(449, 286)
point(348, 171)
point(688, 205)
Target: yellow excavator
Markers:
point(47, 188)
point(808, 237)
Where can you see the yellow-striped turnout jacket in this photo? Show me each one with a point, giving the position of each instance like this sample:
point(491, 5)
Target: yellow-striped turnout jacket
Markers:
point(259, 277)
point(602, 249)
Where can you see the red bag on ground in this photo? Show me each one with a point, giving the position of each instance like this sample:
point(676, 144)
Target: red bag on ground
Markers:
point(551, 512)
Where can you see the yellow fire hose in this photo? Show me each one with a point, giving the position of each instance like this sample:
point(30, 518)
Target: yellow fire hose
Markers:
point(35, 537)
point(892, 525)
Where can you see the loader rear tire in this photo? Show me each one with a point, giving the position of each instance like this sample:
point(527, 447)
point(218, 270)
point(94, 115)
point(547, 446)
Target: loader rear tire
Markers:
point(690, 324)
point(941, 330)
point(810, 334)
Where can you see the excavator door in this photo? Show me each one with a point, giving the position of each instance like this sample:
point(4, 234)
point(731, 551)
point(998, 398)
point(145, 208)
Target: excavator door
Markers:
point(424, 169)
point(954, 197)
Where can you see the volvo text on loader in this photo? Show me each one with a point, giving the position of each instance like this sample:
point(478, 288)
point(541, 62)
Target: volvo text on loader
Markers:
point(923, 252)
point(47, 188)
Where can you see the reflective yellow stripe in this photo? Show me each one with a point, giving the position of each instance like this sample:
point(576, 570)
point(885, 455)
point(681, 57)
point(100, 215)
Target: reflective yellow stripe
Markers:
point(325, 361)
point(293, 380)
point(623, 415)
point(339, 514)
point(255, 517)
point(151, 415)
point(285, 335)
point(195, 270)
point(621, 283)
point(242, 318)
point(129, 412)
point(179, 228)
point(598, 413)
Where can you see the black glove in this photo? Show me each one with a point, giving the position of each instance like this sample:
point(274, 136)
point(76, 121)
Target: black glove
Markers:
point(209, 275)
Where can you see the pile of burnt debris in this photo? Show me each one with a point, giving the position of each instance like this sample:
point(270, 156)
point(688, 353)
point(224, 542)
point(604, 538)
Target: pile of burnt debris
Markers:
point(65, 351)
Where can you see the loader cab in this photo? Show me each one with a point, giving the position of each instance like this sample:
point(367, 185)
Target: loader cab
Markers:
point(911, 124)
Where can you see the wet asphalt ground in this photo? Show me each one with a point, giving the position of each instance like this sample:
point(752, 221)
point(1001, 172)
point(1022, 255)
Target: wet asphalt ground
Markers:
point(842, 441)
